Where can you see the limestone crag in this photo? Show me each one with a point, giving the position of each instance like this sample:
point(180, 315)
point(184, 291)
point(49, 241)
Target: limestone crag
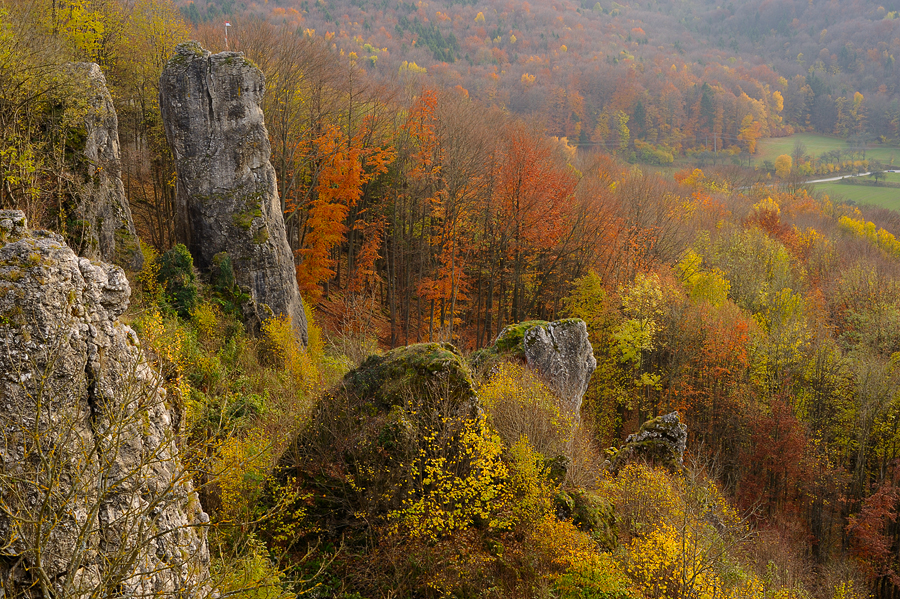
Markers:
point(93, 500)
point(660, 441)
point(560, 351)
point(227, 199)
point(104, 228)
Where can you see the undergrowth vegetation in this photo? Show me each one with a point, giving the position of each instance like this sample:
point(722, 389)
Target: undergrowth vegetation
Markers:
point(237, 400)
point(442, 486)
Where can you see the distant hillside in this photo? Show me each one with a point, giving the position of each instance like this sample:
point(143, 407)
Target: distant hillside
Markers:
point(675, 75)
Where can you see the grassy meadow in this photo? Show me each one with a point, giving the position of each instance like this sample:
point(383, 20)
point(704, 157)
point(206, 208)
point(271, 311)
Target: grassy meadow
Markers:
point(886, 197)
point(816, 145)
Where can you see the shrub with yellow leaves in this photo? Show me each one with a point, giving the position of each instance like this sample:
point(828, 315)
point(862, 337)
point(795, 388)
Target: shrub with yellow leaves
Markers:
point(593, 575)
point(454, 486)
point(167, 340)
point(251, 575)
point(242, 464)
point(683, 534)
point(150, 287)
point(206, 318)
point(281, 346)
point(518, 403)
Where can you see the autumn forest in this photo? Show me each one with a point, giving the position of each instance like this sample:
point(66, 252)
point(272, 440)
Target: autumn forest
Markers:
point(447, 168)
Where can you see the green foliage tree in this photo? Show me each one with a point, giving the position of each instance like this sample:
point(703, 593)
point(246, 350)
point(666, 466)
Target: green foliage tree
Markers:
point(178, 280)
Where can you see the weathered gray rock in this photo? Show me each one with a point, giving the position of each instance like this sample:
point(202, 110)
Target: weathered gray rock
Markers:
point(560, 351)
point(102, 227)
point(227, 200)
point(660, 441)
point(93, 500)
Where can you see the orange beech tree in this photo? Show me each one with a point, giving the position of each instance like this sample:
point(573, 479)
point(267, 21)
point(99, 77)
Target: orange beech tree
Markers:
point(345, 166)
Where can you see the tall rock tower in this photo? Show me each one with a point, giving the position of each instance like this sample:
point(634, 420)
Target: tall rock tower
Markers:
point(227, 199)
point(107, 229)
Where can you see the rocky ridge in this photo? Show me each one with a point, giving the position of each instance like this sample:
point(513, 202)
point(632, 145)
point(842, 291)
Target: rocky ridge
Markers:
point(93, 500)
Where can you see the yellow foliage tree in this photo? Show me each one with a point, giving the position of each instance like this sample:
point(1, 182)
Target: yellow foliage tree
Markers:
point(703, 284)
point(783, 165)
point(750, 132)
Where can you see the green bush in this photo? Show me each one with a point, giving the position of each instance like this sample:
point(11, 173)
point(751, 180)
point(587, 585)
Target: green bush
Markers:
point(176, 276)
point(226, 290)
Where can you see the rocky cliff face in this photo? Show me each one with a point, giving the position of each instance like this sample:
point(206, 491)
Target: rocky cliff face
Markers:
point(102, 225)
point(93, 501)
point(227, 200)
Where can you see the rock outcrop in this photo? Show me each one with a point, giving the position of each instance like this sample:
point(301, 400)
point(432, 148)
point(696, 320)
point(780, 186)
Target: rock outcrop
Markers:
point(93, 500)
point(356, 454)
point(660, 441)
point(560, 351)
point(227, 199)
point(101, 226)
point(418, 370)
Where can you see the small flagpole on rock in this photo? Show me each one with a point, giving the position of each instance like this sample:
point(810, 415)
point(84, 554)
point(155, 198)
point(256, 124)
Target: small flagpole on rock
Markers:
point(227, 25)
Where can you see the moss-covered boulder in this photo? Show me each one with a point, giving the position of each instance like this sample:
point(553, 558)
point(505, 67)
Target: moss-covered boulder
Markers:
point(416, 370)
point(660, 441)
point(362, 456)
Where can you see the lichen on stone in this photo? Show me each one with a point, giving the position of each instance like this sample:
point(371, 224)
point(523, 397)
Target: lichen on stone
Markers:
point(108, 473)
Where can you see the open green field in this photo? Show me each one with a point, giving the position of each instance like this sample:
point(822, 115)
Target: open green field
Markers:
point(885, 197)
point(770, 149)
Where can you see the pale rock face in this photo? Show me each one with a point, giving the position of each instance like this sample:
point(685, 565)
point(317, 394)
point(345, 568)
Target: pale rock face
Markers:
point(562, 353)
point(93, 499)
point(227, 199)
point(108, 231)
